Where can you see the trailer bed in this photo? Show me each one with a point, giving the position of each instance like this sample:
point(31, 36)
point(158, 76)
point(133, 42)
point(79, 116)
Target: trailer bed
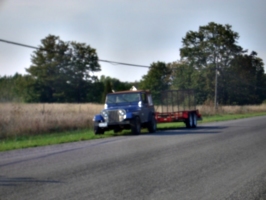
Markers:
point(178, 106)
point(179, 116)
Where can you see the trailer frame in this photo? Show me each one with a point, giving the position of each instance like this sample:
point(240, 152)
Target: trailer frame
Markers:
point(178, 106)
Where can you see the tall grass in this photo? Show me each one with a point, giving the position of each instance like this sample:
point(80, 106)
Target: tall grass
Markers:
point(33, 119)
point(209, 110)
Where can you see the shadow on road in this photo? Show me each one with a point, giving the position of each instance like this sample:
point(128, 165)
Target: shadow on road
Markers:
point(179, 131)
point(198, 130)
point(16, 181)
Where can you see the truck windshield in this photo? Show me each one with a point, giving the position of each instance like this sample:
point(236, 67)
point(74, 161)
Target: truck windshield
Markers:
point(123, 98)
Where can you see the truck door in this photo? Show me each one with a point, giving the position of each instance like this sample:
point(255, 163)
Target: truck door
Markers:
point(145, 108)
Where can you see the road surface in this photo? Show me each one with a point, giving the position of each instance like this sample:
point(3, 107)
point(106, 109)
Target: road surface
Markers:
point(223, 160)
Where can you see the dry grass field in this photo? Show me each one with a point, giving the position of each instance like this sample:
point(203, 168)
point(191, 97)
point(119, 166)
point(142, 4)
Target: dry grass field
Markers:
point(31, 119)
point(208, 110)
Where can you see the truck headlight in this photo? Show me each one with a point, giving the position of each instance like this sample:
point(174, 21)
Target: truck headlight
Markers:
point(104, 113)
point(122, 114)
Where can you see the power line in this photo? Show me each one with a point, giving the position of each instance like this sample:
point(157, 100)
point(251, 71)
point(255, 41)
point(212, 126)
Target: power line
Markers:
point(119, 63)
point(107, 61)
point(18, 44)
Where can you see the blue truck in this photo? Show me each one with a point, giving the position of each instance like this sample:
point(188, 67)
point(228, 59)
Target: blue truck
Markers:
point(126, 110)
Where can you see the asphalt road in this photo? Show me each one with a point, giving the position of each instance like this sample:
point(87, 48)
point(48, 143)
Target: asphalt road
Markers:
point(225, 160)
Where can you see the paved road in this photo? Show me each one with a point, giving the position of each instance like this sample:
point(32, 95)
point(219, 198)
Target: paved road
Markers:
point(225, 160)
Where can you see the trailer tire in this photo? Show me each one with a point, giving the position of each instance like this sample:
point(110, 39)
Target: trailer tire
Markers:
point(189, 121)
point(152, 126)
point(135, 126)
point(195, 122)
point(97, 130)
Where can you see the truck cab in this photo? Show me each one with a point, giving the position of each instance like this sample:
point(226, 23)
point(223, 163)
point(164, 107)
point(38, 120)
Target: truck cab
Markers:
point(126, 110)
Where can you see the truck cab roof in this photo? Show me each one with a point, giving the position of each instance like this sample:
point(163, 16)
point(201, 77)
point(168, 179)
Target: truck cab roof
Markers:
point(130, 91)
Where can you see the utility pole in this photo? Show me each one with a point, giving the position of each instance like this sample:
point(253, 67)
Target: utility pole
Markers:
point(216, 84)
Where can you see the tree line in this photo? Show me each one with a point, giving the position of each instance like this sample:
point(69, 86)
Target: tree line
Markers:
point(211, 63)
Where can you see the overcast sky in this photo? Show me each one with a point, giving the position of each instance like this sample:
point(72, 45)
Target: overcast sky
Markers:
point(130, 31)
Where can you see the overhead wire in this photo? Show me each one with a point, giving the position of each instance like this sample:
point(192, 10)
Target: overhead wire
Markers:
point(100, 60)
point(107, 61)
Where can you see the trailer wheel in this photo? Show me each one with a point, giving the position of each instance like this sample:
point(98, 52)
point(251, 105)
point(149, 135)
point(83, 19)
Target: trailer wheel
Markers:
point(97, 129)
point(195, 122)
point(152, 125)
point(189, 121)
point(135, 126)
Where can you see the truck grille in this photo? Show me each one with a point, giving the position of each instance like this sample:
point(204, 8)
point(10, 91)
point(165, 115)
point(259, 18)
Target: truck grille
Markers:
point(113, 116)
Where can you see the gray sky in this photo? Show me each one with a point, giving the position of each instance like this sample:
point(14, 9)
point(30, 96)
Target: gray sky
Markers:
point(131, 31)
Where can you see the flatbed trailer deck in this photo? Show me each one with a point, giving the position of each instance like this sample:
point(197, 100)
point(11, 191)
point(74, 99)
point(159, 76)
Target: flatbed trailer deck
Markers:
point(178, 106)
point(180, 116)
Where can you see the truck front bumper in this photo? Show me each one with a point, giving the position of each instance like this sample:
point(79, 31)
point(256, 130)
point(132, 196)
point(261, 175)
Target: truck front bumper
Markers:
point(106, 125)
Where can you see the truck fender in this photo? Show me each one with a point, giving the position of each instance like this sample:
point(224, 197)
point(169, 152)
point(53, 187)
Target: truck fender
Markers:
point(98, 118)
point(129, 115)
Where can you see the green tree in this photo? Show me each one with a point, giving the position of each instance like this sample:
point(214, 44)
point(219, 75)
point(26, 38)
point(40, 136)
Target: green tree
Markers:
point(185, 76)
point(14, 88)
point(116, 84)
point(211, 48)
point(245, 80)
point(7, 93)
point(113, 84)
point(62, 71)
point(107, 88)
point(95, 92)
point(157, 80)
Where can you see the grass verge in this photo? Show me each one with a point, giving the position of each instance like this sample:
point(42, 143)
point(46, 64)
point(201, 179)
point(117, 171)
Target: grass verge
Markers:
point(18, 142)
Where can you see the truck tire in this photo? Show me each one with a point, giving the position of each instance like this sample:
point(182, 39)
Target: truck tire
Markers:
point(135, 126)
point(189, 121)
point(97, 129)
point(152, 126)
point(117, 130)
point(195, 122)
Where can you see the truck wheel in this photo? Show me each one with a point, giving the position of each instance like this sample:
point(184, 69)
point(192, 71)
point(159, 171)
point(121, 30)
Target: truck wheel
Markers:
point(117, 130)
point(152, 126)
point(135, 126)
point(97, 129)
point(195, 122)
point(189, 121)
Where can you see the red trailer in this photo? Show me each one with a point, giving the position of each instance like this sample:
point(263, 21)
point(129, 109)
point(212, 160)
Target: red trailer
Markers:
point(178, 106)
